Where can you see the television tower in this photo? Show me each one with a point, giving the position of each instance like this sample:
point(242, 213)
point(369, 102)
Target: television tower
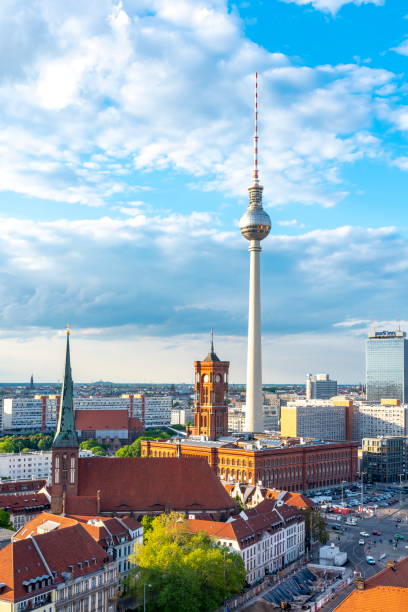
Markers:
point(255, 225)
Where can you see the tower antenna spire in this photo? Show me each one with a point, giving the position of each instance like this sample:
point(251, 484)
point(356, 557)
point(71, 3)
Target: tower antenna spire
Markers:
point(212, 340)
point(256, 136)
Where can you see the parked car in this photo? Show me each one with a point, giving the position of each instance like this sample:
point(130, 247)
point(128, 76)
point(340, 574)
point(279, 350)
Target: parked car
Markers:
point(361, 541)
point(398, 536)
point(370, 560)
point(365, 534)
point(375, 532)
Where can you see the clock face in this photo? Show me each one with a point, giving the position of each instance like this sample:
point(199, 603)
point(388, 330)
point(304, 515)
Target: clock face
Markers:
point(205, 378)
point(218, 378)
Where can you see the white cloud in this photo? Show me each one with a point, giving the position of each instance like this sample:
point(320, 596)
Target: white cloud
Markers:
point(176, 96)
point(332, 6)
point(402, 48)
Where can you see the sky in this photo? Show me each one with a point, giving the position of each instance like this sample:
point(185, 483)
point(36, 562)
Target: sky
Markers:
point(125, 158)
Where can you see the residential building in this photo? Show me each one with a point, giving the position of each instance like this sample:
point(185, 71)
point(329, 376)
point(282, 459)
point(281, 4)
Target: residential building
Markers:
point(102, 485)
point(267, 537)
point(57, 570)
point(252, 495)
point(386, 590)
point(320, 386)
point(236, 419)
point(118, 536)
point(22, 508)
point(387, 366)
point(25, 466)
point(271, 463)
point(22, 487)
point(181, 416)
point(40, 413)
point(321, 419)
point(383, 458)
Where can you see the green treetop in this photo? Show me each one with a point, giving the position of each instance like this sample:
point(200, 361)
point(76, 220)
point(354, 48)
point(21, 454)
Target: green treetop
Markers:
point(186, 572)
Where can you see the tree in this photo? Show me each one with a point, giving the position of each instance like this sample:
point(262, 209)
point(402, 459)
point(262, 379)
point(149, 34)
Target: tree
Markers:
point(6, 446)
point(98, 451)
point(5, 522)
point(314, 523)
point(188, 572)
point(126, 451)
point(44, 443)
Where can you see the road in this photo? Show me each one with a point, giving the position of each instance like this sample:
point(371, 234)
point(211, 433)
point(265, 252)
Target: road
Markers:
point(386, 522)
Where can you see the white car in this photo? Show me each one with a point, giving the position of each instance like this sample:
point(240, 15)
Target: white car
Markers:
point(364, 534)
point(361, 542)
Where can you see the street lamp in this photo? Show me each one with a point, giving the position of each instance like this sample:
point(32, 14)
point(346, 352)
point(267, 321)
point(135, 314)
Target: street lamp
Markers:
point(400, 490)
point(342, 491)
point(144, 595)
point(362, 474)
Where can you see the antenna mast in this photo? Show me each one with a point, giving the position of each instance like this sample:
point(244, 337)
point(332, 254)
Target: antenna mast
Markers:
point(256, 137)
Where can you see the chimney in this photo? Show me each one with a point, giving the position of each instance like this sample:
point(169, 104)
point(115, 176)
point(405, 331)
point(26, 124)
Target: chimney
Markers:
point(98, 501)
point(359, 583)
point(392, 565)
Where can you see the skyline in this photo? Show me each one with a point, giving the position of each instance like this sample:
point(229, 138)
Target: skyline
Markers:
point(120, 202)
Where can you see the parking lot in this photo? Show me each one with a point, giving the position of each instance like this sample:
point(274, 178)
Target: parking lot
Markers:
point(381, 513)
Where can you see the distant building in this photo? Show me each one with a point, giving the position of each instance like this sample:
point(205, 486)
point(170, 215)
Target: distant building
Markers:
point(181, 416)
point(40, 413)
point(23, 508)
point(111, 427)
point(383, 458)
point(25, 466)
point(319, 386)
point(267, 537)
point(389, 418)
point(387, 366)
point(252, 495)
point(321, 419)
point(22, 487)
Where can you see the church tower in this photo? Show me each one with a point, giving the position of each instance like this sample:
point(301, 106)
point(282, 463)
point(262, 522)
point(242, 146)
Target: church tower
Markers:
point(65, 447)
point(211, 387)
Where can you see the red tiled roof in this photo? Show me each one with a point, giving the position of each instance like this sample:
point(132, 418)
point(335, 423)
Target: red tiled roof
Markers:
point(92, 420)
point(21, 503)
point(291, 498)
point(377, 599)
point(397, 577)
point(12, 487)
point(64, 550)
point(151, 484)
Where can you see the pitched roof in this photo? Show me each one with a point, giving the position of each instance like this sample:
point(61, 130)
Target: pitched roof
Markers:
point(100, 528)
point(21, 503)
point(377, 599)
point(70, 549)
point(12, 487)
point(91, 420)
point(291, 498)
point(397, 577)
point(151, 484)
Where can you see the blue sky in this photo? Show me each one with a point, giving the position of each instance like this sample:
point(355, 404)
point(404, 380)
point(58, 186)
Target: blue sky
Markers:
point(125, 150)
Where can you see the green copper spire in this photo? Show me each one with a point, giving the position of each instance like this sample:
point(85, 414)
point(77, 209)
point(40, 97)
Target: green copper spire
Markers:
point(66, 435)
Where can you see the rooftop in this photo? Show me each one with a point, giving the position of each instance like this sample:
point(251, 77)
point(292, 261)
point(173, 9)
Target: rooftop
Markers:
point(377, 599)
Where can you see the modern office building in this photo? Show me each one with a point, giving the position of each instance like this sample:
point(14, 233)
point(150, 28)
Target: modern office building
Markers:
point(389, 418)
point(321, 419)
point(320, 386)
point(387, 366)
point(383, 458)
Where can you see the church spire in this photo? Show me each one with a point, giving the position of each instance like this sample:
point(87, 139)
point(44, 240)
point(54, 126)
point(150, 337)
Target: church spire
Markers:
point(66, 436)
point(211, 355)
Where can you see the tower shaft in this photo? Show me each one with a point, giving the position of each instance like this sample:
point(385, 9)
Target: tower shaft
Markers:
point(254, 412)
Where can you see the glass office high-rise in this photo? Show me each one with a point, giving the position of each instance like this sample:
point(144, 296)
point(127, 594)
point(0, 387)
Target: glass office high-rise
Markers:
point(387, 366)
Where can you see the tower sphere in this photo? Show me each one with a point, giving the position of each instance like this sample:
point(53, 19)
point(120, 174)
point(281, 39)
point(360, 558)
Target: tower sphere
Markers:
point(255, 223)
